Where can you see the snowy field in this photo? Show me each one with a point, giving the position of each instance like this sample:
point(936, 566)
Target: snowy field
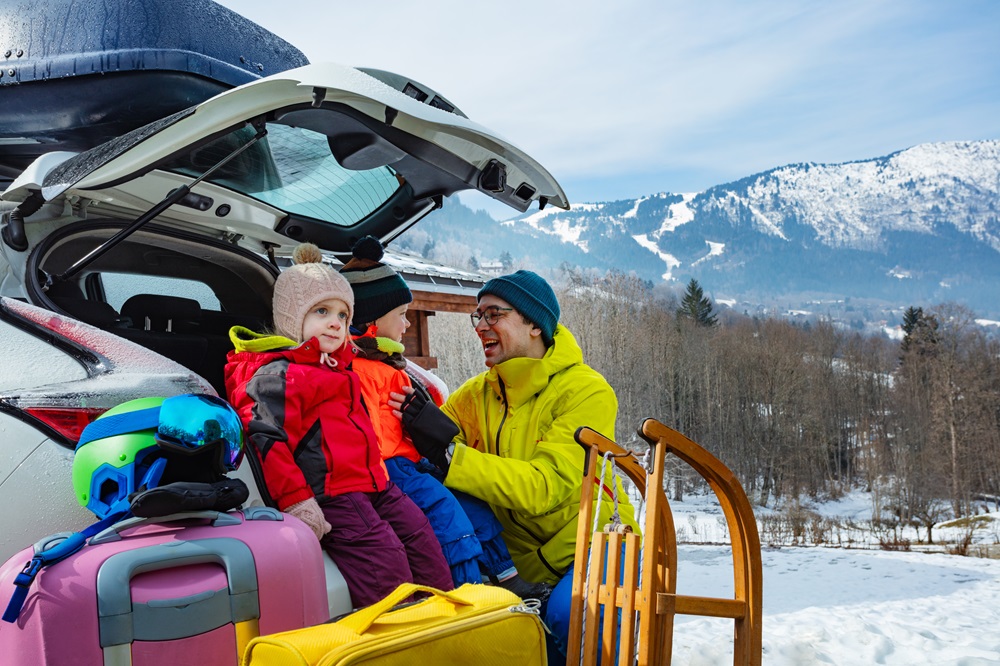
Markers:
point(835, 605)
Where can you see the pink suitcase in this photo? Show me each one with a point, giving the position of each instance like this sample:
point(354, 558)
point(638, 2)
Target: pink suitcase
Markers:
point(171, 590)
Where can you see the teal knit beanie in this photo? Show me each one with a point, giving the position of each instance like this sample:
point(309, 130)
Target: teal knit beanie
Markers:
point(529, 294)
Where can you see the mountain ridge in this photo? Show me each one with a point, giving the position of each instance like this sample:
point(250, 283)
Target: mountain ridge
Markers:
point(916, 227)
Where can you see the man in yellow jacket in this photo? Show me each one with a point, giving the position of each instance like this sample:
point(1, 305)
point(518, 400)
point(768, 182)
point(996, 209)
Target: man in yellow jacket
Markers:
point(514, 445)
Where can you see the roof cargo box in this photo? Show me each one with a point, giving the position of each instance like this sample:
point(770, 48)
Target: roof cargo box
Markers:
point(75, 73)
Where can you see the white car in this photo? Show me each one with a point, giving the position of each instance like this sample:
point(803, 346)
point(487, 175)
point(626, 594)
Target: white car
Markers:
point(123, 267)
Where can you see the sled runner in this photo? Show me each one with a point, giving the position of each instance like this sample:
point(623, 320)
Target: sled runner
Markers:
point(638, 593)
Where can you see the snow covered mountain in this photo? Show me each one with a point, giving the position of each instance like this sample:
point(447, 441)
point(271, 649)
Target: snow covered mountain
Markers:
point(918, 227)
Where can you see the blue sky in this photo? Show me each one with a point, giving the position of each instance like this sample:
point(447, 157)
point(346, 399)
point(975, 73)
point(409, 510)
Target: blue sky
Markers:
point(627, 98)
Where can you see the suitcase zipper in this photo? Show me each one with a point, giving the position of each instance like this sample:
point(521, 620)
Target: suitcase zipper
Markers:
point(357, 652)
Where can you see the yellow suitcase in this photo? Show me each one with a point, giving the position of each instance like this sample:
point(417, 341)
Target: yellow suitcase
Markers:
point(479, 625)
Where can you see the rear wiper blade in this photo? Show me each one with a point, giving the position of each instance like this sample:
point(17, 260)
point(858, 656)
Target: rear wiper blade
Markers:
point(172, 197)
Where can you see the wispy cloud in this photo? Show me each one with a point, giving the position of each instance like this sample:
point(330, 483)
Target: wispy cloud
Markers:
point(616, 97)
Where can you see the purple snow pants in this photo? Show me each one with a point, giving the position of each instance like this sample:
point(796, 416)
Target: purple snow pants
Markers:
point(381, 540)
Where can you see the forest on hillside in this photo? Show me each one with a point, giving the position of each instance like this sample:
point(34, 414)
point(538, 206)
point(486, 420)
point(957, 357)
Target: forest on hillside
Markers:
point(793, 410)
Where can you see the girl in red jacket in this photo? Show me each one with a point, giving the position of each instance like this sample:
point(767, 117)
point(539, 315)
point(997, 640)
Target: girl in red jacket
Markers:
point(301, 405)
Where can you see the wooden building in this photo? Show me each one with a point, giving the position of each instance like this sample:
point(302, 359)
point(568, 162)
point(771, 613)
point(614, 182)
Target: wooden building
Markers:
point(436, 288)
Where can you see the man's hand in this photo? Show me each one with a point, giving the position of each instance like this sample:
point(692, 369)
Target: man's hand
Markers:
point(429, 428)
point(398, 400)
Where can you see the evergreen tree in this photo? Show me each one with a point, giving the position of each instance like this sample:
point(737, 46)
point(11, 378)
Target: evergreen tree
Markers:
point(506, 260)
point(911, 316)
point(696, 306)
point(920, 329)
point(428, 251)
point(473, 263)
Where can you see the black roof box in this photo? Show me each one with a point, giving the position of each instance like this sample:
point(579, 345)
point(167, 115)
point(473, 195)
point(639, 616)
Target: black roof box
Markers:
point(75, 73)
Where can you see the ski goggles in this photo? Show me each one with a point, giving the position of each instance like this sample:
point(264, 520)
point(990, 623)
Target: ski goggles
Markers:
point(189, 424)
point(185, 424)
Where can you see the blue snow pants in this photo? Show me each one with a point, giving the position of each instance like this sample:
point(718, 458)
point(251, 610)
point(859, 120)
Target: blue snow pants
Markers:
point(556, 616)
point(466, 527)
point(495, 561)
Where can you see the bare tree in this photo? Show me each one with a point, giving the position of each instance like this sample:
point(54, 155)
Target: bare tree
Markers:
point(456, 346)
point(791, 410)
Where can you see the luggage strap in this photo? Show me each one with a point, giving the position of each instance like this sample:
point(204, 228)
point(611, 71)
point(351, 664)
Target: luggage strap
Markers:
point(51, 555)
point(361, 620)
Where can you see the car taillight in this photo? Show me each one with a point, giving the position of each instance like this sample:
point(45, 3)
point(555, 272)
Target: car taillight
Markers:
point(67, 421)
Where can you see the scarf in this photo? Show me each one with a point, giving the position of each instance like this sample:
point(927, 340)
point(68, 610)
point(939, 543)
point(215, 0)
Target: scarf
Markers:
point(386, 350)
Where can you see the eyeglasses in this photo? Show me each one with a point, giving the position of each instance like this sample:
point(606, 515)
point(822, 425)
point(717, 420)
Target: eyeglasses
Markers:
point(491, 315)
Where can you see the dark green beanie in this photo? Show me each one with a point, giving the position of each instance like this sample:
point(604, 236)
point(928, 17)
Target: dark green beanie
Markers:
point(377, 288)
point(529, 294)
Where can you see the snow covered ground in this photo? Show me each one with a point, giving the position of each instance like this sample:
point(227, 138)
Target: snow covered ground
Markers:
point(836, 605)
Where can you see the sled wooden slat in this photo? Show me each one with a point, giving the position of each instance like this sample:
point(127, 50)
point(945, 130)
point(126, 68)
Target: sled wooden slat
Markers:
point(706, 606)
point(608, 596)
point(630, 585)
point(651, 599)
point(590, 627)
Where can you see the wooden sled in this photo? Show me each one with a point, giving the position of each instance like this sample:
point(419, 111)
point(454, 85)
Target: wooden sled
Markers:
point(646, 590)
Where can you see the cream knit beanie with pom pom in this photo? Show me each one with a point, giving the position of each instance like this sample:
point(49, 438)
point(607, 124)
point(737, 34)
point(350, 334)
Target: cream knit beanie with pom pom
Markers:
point(302, 286)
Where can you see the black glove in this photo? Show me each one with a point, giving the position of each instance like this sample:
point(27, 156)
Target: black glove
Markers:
point(429, 428)
point(188, 496)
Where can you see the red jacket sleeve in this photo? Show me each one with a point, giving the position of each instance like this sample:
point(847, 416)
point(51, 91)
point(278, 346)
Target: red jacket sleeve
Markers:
point(266, 432)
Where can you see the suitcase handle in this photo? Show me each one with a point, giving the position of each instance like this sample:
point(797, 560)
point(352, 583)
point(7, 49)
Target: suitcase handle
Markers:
point(121, 621)
point(360, 621)
point(113, 533)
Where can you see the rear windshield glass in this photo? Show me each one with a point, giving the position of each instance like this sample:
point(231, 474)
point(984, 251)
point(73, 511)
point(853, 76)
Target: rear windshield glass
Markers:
point(119, 287)
point(293, 169)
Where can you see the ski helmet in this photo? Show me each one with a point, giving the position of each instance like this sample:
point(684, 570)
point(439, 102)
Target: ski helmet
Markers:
point(109, 469)
point(143, 443)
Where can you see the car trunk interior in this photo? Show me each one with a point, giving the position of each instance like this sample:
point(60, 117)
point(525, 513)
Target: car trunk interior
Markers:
point(175, 293)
